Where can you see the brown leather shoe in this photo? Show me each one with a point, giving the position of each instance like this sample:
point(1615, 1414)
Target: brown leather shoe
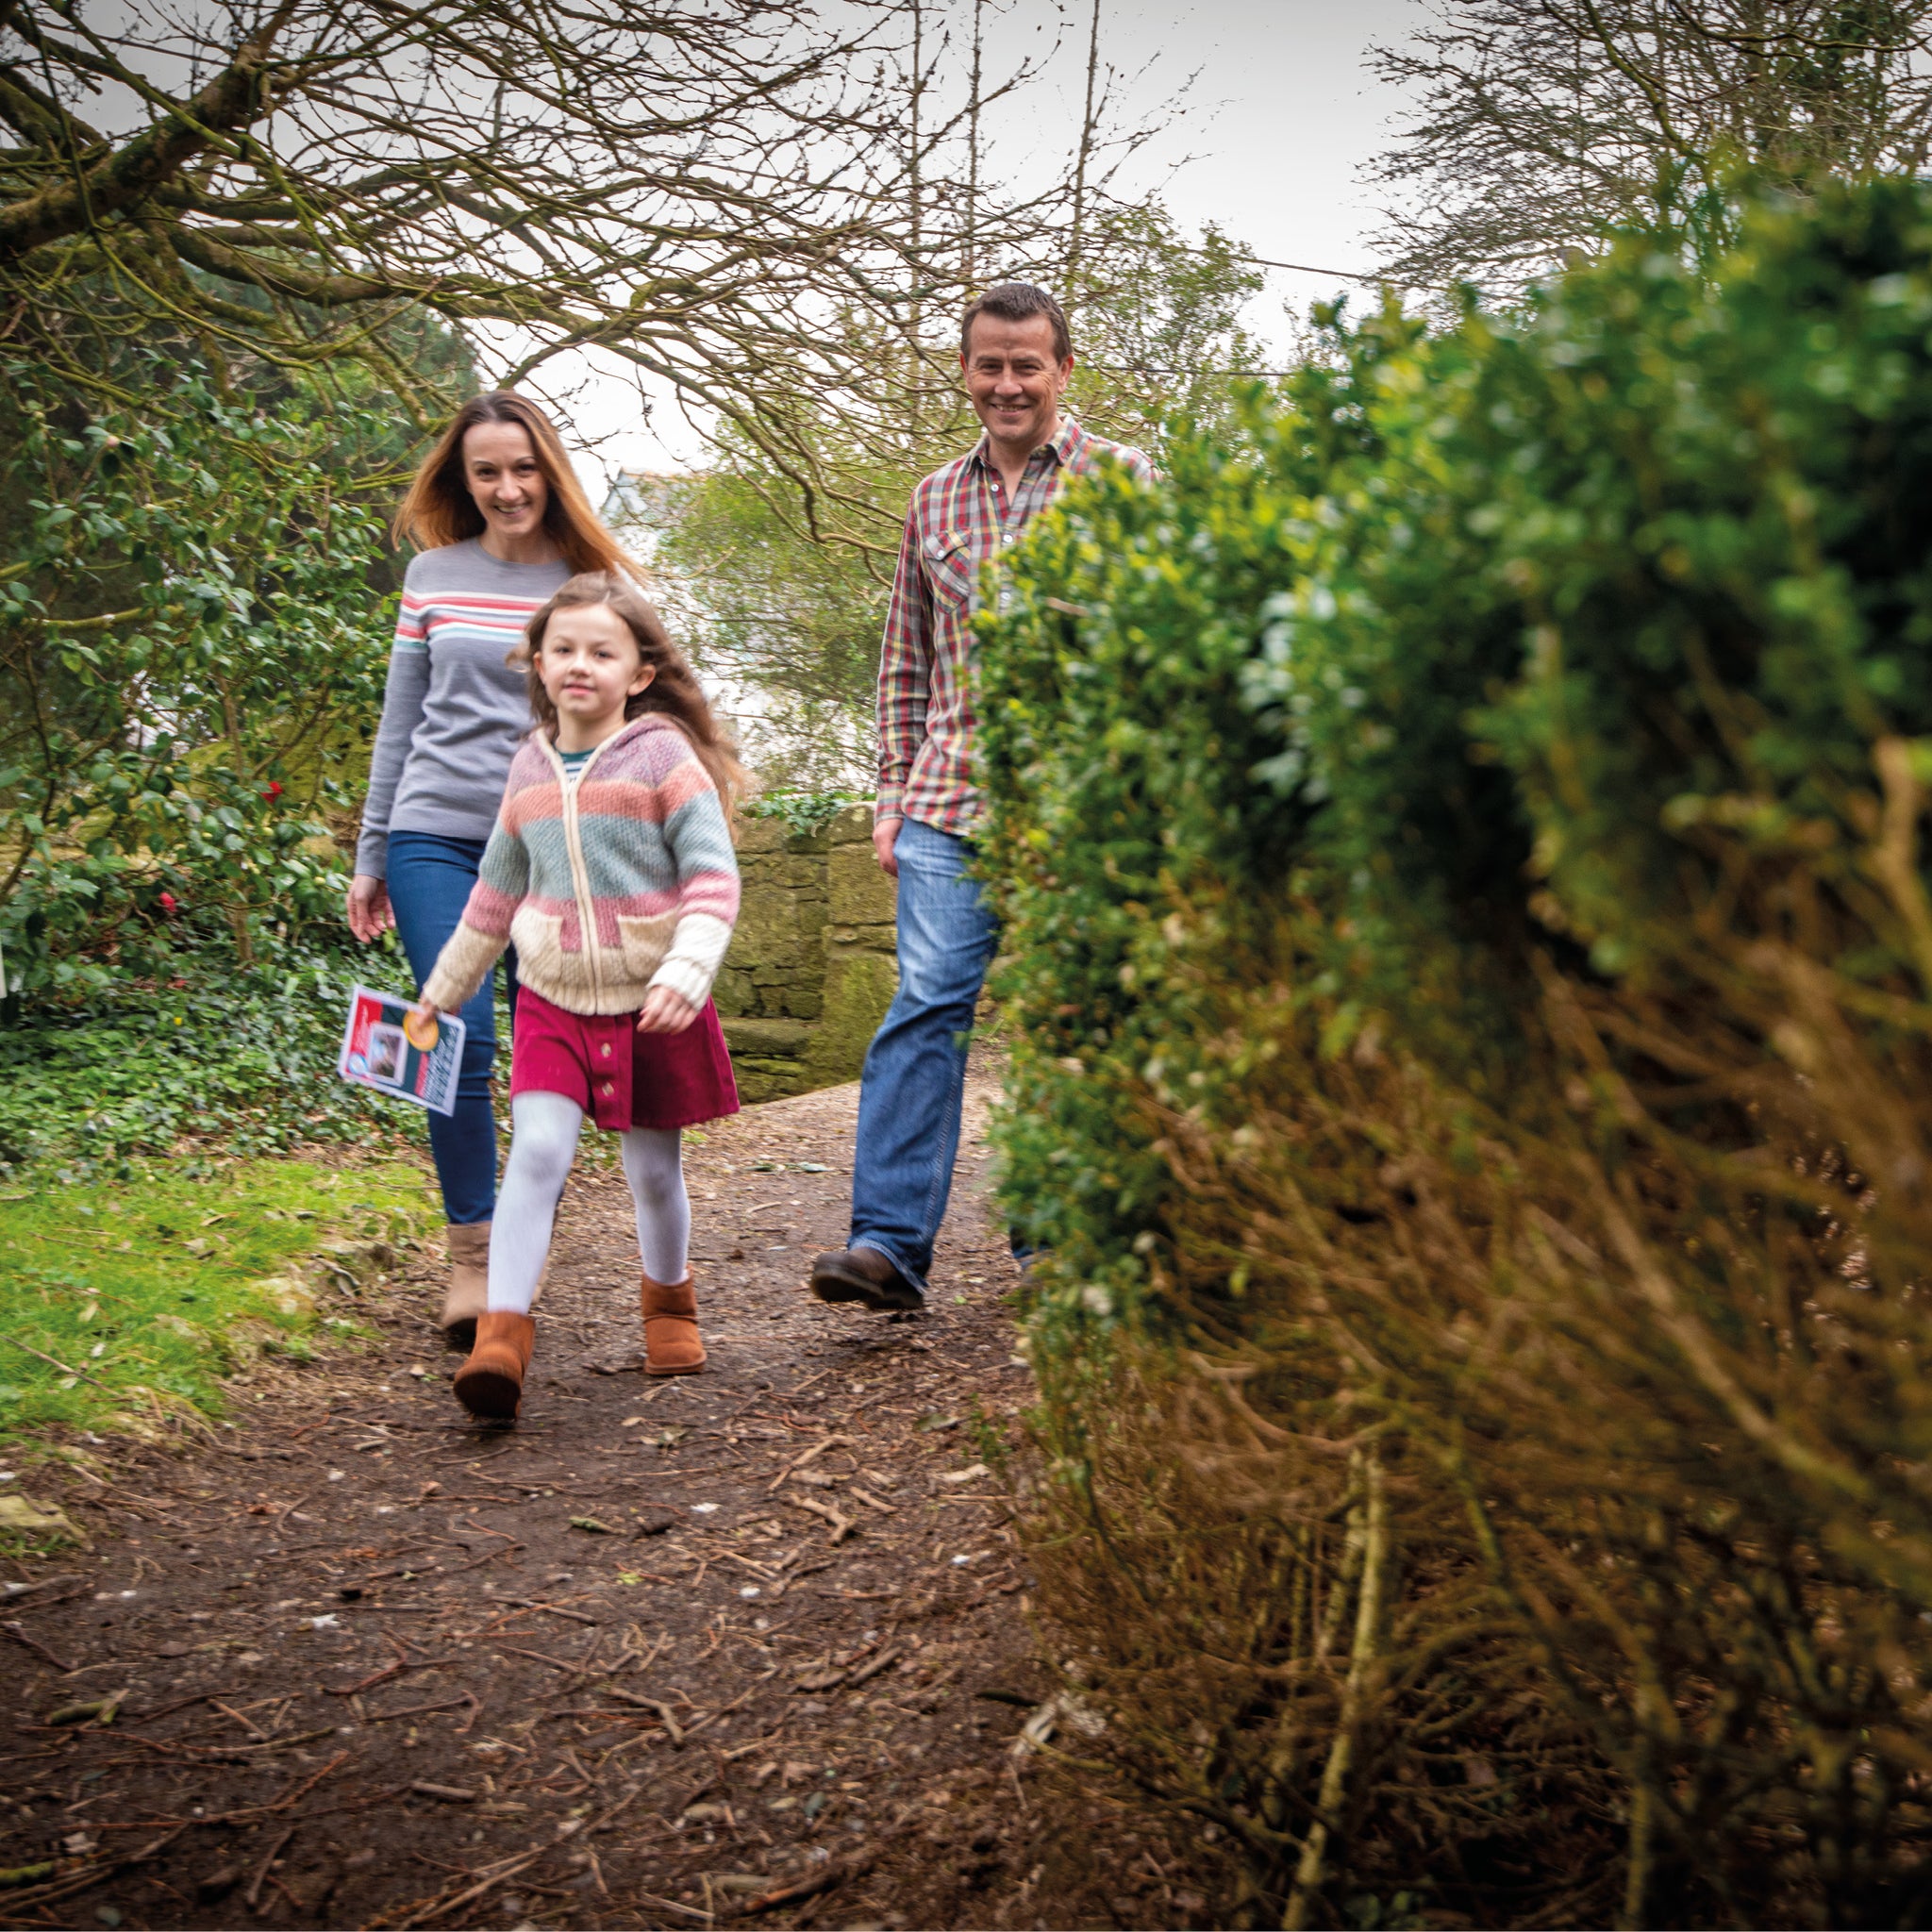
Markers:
point(671, 1343)
point(863, 1274)
point(491, 1383)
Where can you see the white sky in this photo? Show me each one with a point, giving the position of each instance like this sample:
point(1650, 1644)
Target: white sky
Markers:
point(1280, 118)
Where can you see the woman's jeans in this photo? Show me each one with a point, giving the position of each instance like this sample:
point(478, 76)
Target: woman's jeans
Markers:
point(915, 1068)
point(429, 881)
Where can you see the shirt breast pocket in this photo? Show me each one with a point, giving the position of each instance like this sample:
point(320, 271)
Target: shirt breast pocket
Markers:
point(951, 570)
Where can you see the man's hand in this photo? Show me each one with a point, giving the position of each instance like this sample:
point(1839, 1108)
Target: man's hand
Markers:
point(885, 838)
point(368, 907)
point(664, 1011)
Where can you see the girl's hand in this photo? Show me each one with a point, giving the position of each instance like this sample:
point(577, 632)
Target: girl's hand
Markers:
point(665, 1012)
point(420, 1026)
point(368, 907)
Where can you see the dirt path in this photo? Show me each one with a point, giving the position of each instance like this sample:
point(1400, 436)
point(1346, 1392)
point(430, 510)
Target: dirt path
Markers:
point(666, 1654)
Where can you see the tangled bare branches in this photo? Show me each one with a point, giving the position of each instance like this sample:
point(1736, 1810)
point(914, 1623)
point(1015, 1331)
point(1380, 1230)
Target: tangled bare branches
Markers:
point(1540, 123)
point(689, 190)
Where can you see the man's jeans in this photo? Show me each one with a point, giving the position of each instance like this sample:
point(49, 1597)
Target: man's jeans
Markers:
point(915, 1068)
point(429, 881)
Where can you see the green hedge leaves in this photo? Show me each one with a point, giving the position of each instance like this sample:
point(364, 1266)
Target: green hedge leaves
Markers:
point(1469, 639)
point(1470, 949)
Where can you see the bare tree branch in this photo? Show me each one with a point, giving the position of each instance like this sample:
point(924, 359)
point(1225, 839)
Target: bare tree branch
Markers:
point(699, 191)
point(1540, 123)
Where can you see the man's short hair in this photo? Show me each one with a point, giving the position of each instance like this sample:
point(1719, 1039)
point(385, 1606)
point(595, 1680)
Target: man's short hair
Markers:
point(1017, 302)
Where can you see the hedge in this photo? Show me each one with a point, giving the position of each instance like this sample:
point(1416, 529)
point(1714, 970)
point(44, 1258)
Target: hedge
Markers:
point(1469, 955)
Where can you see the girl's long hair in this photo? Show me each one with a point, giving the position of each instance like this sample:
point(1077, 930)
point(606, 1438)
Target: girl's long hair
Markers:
point(439, 509)
point(674, 692)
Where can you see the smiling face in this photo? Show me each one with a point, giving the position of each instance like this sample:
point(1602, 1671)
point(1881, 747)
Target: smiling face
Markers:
point(502, 475)
point(590, 664)
point(1015, 381)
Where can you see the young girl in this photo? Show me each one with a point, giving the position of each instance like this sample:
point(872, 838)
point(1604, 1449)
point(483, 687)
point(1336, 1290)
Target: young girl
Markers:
point(611, 869)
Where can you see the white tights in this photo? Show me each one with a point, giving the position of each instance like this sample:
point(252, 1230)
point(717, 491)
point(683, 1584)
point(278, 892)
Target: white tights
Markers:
point(543, 1143)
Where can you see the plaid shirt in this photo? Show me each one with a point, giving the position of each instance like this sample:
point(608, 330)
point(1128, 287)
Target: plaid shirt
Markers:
point(960, 517)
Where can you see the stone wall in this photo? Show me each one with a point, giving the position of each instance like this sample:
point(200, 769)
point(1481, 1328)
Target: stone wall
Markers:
point(811, 967)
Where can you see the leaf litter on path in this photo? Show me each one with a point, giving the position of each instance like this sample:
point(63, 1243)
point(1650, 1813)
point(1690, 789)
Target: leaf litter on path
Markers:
point(600, 1740)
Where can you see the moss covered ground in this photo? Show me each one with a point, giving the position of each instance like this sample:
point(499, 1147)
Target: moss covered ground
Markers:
point(126, 1302)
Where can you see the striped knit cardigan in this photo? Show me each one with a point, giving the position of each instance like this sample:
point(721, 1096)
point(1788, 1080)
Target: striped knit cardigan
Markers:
point(608, 885)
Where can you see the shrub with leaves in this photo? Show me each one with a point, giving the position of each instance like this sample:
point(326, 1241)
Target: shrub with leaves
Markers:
point(188, 630)
point(240, 1059)
point(1473, 971)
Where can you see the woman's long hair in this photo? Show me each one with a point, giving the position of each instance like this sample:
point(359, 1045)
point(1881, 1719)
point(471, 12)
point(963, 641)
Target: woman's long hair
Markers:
point(674, 691)
point(440, 509)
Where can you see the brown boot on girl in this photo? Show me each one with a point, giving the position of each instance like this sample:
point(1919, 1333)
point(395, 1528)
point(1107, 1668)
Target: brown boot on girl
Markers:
point(672, 1346)
point(491, 1383)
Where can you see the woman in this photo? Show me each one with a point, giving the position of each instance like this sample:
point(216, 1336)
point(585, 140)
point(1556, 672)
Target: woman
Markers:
point(500, 522)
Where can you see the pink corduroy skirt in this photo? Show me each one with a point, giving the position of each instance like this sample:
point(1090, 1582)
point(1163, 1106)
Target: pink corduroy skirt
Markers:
point(619, 1077)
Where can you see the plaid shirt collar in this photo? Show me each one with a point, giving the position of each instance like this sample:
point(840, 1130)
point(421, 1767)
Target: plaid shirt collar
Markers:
point(1065, 447)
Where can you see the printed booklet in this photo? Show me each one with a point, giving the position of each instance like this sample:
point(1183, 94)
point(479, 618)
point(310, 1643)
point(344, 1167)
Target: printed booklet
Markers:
point(383, 1048)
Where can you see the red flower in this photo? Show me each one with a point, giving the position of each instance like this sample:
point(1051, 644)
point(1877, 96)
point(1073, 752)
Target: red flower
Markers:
point(273, 792)
point(169, 904)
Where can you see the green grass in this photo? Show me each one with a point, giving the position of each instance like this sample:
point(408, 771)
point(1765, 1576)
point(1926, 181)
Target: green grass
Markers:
point(124, 1303)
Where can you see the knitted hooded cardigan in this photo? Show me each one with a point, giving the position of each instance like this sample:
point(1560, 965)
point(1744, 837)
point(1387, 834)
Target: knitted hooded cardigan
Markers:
point(608, 884)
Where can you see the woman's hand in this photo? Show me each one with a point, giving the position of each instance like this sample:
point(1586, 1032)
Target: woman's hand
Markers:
point(664, 1011)
point(368, 907)
point(420, 1026)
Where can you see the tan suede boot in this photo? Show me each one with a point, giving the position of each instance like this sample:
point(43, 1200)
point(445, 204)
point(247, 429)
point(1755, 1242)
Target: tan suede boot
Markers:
point(672, 1346)
point(468, 1293)
point(491, 1383)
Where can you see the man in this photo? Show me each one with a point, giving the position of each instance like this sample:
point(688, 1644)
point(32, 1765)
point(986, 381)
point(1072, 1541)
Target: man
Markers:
point(1016, 356)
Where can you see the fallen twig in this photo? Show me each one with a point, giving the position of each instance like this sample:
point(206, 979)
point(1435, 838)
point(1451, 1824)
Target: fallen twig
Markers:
point(79, 1374)
point(394, 1669)
point(764, 1570)
point(738, 1751)
point(842, 1526)
point(871, 1669)
point(147, 1717)
point(252, 1897)
point(810, 1455)
point(247, 1724)
point(384, 1717)
point(436, 1908)
point(229, 1754)
point(308, 1784)
point(791, 1576)
point(822, 1880)
point(556, 1663)
point(73, 1882)
point(97, 1711)
point(671, 1905)
point(19, 1593)
point(674, 1729)
point(16, 1630)
point(530, 1602)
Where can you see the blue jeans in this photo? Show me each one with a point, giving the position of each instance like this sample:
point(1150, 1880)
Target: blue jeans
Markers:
point(915, 1068)
point(429, 881)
